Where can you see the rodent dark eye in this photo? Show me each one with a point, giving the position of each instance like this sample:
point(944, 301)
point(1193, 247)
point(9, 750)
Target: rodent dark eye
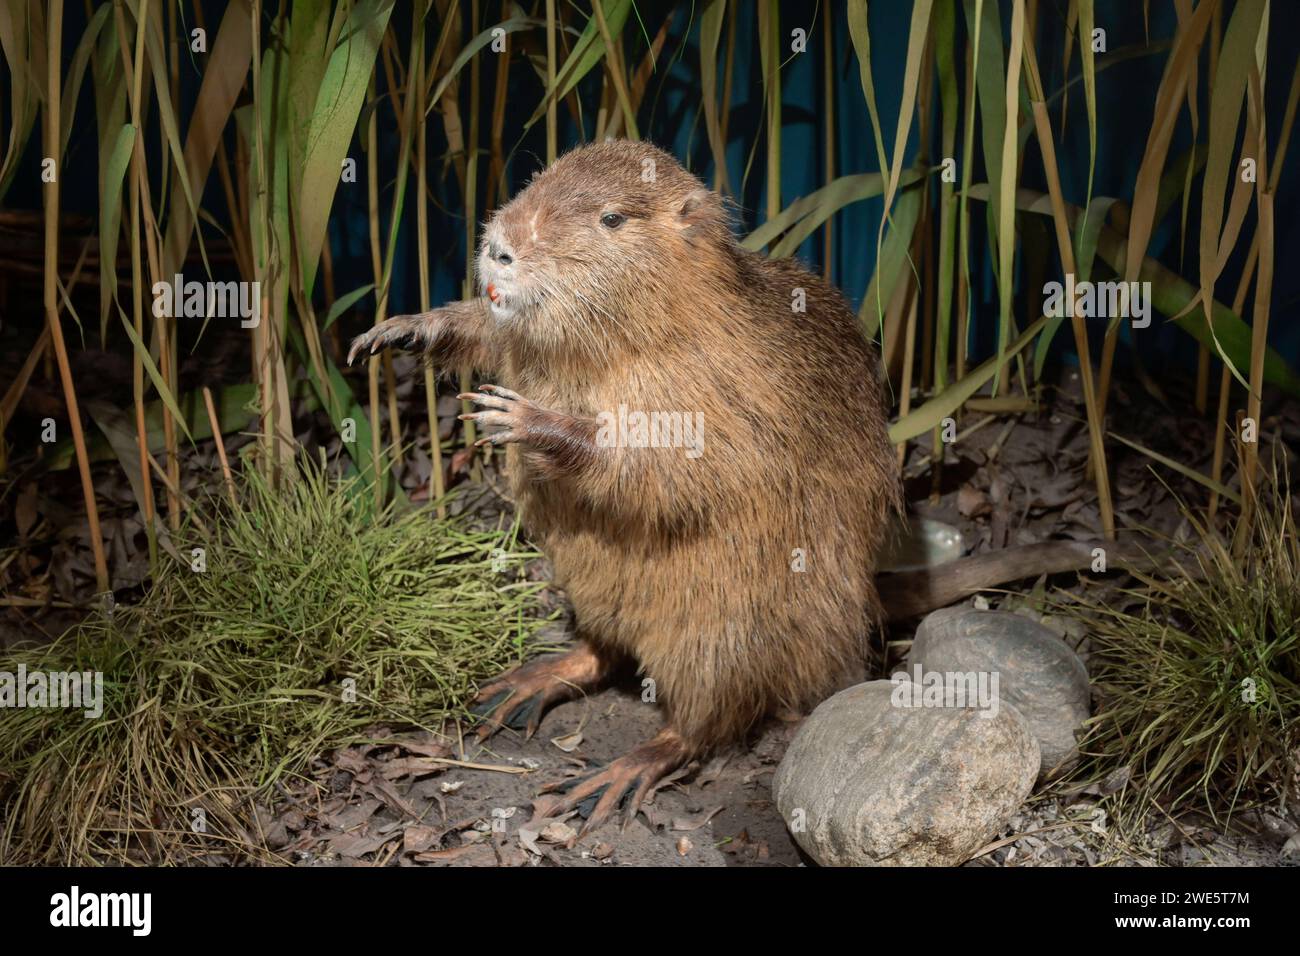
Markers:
point(612, 220)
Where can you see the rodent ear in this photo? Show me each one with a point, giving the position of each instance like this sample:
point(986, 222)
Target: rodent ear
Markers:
point(700, 211)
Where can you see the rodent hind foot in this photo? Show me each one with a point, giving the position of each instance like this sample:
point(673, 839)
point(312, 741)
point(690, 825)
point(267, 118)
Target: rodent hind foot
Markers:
point(625, 782)
point(520, 698)
point(525, 715)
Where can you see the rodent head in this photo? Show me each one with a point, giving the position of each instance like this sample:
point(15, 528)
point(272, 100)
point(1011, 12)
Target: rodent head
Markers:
point(596, 243)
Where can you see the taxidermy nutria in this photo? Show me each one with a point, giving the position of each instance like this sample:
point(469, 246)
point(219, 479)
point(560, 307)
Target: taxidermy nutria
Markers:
point(736, 570)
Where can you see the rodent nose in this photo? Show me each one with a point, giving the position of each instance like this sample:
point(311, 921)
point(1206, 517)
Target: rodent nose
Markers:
point(500, 255)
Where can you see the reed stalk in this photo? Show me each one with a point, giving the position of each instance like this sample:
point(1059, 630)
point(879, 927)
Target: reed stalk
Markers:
point(134, 70)
point(437, 485)
point(53, 138)
point(1065, 248)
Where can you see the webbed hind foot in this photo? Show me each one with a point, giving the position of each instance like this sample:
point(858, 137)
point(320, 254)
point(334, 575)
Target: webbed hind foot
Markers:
point(626, 781)
point(520, 698)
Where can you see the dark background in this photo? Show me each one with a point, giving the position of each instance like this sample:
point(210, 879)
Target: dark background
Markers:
point(671, 116)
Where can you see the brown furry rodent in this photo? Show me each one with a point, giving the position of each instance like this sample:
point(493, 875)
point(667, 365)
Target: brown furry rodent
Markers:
point(738, 575)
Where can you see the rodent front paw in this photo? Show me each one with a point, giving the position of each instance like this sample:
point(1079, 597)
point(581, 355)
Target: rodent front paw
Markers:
point(402, 331)
point(509, 411)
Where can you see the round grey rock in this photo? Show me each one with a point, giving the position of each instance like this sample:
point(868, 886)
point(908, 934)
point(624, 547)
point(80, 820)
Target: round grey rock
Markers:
point(870, 782)
point(1036, 671)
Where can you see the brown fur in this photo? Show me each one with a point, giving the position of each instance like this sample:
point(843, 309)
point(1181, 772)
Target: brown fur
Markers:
point(684, 564)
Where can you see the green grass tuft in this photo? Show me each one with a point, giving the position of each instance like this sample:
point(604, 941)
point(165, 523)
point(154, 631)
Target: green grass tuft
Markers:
point(218, 684)
point(1198, 672)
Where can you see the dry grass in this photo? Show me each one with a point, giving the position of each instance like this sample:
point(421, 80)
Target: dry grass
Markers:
point(1198, 674)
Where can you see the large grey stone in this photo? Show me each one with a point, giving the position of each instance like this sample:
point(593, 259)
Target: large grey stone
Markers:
point(868, 782)
point(1037, 672)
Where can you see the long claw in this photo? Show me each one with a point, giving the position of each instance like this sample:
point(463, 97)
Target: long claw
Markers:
point(503, 392)
point(357, 345)
point(409, 330)
point(487, 401)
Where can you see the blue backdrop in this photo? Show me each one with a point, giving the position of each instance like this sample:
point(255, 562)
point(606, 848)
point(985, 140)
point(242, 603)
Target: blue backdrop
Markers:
point(671, 116)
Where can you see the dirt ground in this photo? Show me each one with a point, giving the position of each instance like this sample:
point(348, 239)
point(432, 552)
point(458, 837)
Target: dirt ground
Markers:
point(723, 817)
point(386, 805)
